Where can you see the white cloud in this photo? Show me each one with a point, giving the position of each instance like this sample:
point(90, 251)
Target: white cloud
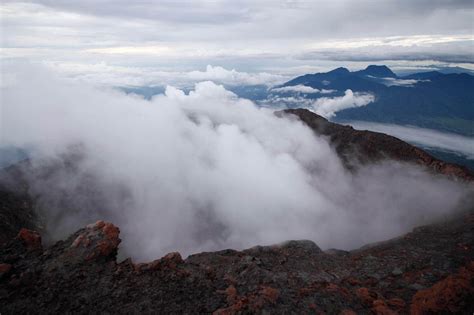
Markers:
point(233, 77)
point(283, 102)
point(105, 74)
point(324, 106)
point(424, 137)
point(401, 82)
point(301, 89)
point(204, 170)
point(392, 41)
point(398, 82)
point(328, 106)
point(458, 50)
point(132, 50)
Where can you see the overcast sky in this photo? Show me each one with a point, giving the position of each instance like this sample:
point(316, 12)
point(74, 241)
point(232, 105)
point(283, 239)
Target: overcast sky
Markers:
point(280, 38)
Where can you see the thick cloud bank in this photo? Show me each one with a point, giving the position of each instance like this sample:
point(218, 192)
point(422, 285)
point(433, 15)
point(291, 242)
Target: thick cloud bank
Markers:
point(328, 106)
point(108, 75)
point(203, 171)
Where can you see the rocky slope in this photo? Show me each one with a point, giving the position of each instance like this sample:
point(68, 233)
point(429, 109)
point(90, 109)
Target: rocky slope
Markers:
point(362, 146)
point(16, 205)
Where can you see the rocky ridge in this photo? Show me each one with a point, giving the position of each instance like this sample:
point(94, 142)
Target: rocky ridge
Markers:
point(357, 147)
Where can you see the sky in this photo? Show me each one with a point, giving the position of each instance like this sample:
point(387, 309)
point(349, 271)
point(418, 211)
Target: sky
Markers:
point(120, 42)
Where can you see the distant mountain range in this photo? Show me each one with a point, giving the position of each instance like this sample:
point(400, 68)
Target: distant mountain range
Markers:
point(442, 100)
point(432, 100)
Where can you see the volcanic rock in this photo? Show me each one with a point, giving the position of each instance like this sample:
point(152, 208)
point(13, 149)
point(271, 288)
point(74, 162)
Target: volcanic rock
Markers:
point(81, 275)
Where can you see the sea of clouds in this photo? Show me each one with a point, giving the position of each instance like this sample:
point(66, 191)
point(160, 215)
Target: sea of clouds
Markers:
point(202, 171)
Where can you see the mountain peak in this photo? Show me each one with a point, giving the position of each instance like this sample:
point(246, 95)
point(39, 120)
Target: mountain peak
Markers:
point(340, 70)
point(377, 71)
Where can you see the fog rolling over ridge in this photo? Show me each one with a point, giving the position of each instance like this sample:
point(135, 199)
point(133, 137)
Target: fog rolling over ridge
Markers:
point(424, 137)
point(204, 171)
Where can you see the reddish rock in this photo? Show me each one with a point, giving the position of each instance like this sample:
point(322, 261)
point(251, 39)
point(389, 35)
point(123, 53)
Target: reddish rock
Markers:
point(169, 261)
point(108, 245)
point(100, 239)
point(253, 302)
point(31, 239)
point(270, 294)
point(367, 297)
point(353, 281)
point(231, 293)
point(322, 280)
point(449, 295)
point(172, 259)
point(380, 308)
point(104, 248)
point(140, 267)
point(99, 224)
point(414, 276)
point(110, 231)
point(334, 288)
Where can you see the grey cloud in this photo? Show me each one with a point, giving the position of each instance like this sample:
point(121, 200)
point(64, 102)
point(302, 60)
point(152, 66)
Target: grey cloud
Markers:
point(192, 12)
point(302, 19)
point(457, 51)
point(247, 35)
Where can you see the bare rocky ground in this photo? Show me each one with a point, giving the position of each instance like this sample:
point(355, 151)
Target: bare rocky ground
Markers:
point(427, 271)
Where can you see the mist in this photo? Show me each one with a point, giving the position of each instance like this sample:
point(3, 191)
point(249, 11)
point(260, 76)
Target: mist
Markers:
point(422, 136)
point(202, 171)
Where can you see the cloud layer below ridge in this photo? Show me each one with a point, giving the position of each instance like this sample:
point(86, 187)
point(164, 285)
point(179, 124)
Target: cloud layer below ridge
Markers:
point(203, 171)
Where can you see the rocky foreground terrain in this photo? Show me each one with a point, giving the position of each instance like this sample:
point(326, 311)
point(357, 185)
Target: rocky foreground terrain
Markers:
point(427, 271)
